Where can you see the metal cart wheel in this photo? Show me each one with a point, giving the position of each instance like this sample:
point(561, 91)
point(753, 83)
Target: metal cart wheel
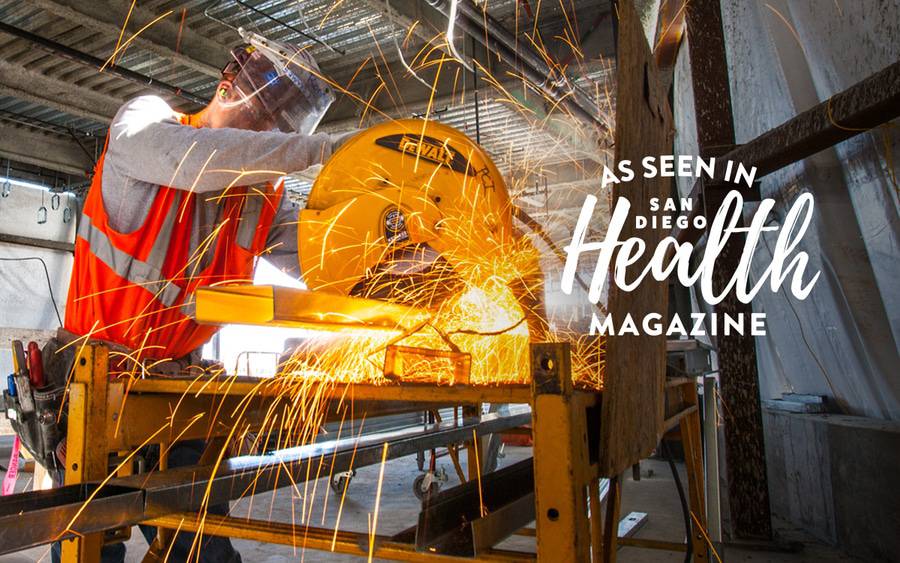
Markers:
point(340, 481)
point(422, 491)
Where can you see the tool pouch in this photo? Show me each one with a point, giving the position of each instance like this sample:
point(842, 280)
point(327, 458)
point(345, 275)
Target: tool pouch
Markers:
point(35, 414)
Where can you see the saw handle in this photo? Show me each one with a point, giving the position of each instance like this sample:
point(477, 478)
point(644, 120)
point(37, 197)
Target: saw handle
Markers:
point(35, 366)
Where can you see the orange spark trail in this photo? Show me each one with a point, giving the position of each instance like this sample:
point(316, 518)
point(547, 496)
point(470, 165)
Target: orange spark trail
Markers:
point(476, 447)
point(124, 26)
point(377, 503)
point(337, 524)
point(132, 38)
point(180, 30)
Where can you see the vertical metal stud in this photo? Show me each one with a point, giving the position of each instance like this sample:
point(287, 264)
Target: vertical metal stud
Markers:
point(693, 459)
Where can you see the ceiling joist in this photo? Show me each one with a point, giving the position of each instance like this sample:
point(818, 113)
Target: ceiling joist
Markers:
point(25, 145)
point(35, 87)
point(166, 37)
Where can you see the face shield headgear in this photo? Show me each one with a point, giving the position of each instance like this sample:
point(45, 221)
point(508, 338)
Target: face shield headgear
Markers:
point(278, 84)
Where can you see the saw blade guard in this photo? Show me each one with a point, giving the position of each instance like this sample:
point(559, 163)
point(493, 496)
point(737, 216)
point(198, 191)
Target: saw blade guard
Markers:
point(409, 210)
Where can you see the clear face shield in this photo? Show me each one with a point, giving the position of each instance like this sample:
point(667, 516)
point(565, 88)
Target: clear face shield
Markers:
point(277, 86)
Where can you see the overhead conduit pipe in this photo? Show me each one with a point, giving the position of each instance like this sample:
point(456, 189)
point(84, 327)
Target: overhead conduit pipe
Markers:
point(493, 36)
point(80, 57)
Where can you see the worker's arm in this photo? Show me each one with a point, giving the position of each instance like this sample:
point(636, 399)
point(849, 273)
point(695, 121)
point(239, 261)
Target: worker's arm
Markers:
point(148, 144)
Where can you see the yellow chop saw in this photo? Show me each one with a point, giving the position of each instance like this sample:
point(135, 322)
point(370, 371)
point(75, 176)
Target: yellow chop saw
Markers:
point(411, 200)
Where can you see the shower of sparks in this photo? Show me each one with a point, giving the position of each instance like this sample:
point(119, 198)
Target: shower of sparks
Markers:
point(485, 295)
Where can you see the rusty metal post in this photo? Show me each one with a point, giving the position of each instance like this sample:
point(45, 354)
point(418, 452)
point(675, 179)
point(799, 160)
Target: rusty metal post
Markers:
point(748, 494)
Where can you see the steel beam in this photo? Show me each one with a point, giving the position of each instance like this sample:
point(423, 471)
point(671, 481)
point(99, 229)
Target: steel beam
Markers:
point(478, 514)
point(748, 492)
point(47, 151)
point(404, 13)
point(38, 517)
point(416, 393)
point(107, 16)
point(858, 109)
point(500, 41)
point(863, 106)
point(37, 243)
point(353, 543)
point(80, 57)
point(481, 27)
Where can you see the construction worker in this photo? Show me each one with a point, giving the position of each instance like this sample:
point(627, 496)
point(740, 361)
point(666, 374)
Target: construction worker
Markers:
point(182, 201)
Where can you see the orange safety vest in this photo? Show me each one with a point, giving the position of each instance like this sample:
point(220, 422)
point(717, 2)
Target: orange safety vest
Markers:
point(137, 289)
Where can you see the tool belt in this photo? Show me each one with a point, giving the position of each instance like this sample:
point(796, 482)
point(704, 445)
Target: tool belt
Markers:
point(34, 397)
point(33, 401)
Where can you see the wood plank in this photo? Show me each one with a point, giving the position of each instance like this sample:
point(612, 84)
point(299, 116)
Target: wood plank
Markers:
point(635, 365)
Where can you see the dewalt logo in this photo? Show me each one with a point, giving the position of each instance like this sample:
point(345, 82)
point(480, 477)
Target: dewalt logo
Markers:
point(420, 147)
point(427, 148)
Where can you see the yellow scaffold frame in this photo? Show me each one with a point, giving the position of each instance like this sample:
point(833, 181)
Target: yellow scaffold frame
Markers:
point(570, 524)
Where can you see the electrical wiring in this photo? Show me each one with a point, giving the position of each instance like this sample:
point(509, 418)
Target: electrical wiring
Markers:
point(47, 276)
point(685, 509)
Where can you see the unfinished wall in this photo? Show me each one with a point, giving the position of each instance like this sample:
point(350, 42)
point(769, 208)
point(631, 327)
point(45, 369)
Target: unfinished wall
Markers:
point(26, 311)
point(786, 56)
point(834, 476)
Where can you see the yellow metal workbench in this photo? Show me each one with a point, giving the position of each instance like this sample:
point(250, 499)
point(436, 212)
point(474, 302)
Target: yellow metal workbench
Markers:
point(565, 429)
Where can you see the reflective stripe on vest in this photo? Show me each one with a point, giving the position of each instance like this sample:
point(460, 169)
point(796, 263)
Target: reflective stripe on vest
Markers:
point(253, 204)
point(146, 274)
point(189, 309)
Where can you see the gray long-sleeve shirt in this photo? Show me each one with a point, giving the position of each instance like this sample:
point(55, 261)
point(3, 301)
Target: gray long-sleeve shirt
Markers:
point(149, 147)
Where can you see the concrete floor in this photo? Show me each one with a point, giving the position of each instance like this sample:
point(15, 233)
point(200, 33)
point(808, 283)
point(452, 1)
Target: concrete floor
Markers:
point(655, 494)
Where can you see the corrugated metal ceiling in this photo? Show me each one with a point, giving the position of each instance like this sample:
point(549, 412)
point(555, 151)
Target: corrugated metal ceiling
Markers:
point(354, 27)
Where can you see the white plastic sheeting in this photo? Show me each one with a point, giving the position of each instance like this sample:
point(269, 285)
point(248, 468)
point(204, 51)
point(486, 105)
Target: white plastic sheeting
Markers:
point(786, 56)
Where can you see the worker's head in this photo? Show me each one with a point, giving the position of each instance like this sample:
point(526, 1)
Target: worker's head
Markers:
point(268, 88)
